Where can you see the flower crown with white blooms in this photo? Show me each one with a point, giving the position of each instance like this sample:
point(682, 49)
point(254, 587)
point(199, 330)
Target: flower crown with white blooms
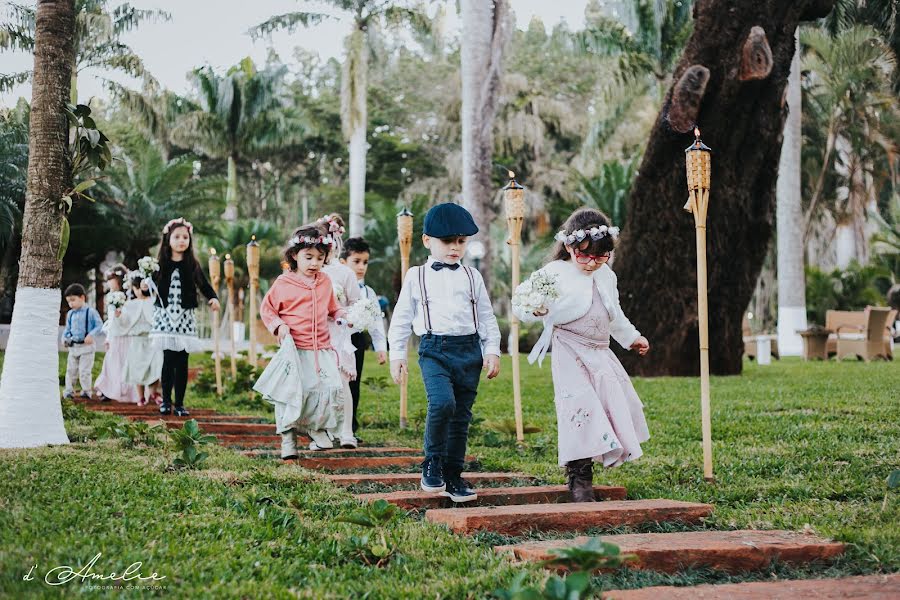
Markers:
point(333, 226)
point(579, 235)
point(312, 241)
point(178, 221)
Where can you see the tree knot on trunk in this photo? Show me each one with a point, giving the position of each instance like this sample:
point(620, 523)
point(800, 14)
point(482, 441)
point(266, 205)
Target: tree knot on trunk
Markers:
point(756, 56)
point(686, 98)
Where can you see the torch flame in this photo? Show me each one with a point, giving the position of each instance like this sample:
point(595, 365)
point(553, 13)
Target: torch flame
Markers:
point(252, 238)
point(511, 175)
point(227, 257)
point(212, 251)
point(697, 132)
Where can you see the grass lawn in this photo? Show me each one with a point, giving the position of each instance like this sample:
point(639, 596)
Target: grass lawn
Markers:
point(796, 445)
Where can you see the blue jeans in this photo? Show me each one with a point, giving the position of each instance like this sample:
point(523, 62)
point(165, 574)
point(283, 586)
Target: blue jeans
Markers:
point(451, 368)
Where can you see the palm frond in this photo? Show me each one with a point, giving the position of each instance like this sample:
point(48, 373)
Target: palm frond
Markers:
point(10, 80)
point(289, 21)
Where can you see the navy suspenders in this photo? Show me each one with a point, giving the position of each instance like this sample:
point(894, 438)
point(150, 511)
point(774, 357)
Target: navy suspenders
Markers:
point(424, 293)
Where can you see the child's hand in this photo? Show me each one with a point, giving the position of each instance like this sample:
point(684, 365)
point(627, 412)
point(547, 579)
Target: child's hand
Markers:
point(214, 304)
point(282, 332)
point(492, 365)
point(398, 368)
point(118, 312)
point(641, 345)
point(89, 339)
point(382, 358)
point(144, 285)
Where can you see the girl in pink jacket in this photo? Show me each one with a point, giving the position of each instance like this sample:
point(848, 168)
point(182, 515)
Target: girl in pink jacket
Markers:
point(298, 305)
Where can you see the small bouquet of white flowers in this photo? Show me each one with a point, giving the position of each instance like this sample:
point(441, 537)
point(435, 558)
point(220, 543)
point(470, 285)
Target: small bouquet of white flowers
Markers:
point(339, 293)
point(364, 314)
point(116, 299)
point(536, 293)
point(148, 266)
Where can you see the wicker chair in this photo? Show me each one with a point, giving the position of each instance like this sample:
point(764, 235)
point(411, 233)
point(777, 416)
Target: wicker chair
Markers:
point(851, 324)
point(865, 342)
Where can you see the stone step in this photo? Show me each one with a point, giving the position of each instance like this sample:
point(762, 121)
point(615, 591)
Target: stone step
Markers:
point(361, 451)
point(574, 516)
point(416, 499)
point(867, 587)
point(230, 428)
point(150, 411)
point(251, 440)
point(411, 480)
point(731, 551)
point(323, 463)
point(217, 418)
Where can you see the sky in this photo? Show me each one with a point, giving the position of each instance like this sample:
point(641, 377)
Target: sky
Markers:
point(214, 32)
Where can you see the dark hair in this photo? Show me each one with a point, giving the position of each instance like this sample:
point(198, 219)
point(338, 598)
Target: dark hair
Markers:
point(356, 245)
point(312, 231)
point(585, 218)
point(136, 281)
point(118, 273)
point(75, 289)
point(165, 250)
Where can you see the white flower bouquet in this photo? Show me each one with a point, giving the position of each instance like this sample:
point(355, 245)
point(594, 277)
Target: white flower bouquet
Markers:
point(536, 293)
point(148, 266)
point(364, 314)
point(339, 293)
point(116, 299)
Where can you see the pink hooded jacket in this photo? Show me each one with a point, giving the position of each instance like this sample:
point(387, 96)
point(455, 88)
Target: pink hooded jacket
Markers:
point(304, 307)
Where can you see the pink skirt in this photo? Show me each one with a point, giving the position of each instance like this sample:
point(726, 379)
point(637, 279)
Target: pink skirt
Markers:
point(111, 382)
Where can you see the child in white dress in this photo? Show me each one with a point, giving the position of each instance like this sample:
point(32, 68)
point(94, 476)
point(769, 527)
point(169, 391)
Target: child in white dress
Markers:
point(143, 362)
point(111, 384)
point(599, 415)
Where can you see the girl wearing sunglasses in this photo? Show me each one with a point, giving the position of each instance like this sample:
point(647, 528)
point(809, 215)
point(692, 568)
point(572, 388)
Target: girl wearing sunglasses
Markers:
point(599, 415)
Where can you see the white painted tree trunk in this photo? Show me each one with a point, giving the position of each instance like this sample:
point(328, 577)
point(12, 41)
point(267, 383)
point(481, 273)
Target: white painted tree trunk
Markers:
point(30, 412)
point(845, 244)
point(790, 223)
point(481, 56)
point(354, 121)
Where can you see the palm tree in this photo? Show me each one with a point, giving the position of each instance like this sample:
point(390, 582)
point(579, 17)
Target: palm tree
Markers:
point(789, 221)
point(368, 18)
point(30, 409)
point(486, 29)
point(98, 44)
point(850, 98)
point(239, 113)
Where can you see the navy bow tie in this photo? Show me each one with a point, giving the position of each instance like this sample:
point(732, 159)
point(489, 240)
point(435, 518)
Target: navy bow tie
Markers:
point(437, 266)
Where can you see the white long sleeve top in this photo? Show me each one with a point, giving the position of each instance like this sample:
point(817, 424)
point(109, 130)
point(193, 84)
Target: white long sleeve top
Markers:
point(450, 307)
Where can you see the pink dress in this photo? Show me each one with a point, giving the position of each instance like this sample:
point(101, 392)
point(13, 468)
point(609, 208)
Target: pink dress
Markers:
point(111, 382)
point(598, 413)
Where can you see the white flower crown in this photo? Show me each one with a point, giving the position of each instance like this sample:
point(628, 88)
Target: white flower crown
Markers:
point(178, 221)
point(333, 225)
point(312, 241)
point(579, 235)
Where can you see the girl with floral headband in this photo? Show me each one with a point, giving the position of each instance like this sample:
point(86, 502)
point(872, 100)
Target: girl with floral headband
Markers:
point(111, 383)
point(174, 325)
point(599, 415)
point(347, 290)
point(302, 380)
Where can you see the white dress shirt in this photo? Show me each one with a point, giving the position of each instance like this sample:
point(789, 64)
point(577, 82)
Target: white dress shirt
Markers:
point(450, 307)
point(379, 339)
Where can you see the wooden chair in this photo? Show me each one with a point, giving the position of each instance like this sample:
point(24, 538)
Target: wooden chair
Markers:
point(750, 341)
point(852, 323)
point(865, 342)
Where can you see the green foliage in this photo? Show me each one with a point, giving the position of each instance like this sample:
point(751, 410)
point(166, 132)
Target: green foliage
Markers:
point(131, 433)
point(188, 440)
point(592, 556)
point(851, 289)
point(608, 191)
point(572, 587)
point(377, 548)
point(13, 169)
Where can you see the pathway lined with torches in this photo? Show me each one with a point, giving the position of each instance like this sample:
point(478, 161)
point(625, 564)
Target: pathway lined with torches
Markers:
point(520, 507)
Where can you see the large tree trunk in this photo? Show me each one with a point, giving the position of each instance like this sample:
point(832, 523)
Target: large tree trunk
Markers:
point(355, 119)
point(790, 222)
point(231, 191)
point(731, 82)
point(484, 34)
point(30, 410)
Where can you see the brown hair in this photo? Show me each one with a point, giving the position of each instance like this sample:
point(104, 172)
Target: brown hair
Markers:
point(118, 273)
point(585, 218)
point(312, 231)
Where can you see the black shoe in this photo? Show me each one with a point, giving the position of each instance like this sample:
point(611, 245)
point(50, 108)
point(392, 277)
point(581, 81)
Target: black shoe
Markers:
point(181, 411)
point(165, 408)
point(432, 475)
point(103, 398)
point(458, 490)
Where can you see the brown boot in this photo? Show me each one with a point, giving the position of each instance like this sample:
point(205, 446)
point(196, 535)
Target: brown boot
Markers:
point(581, 479)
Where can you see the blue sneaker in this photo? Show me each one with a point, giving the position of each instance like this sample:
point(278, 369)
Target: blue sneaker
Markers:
point(432, 475)
point(459, 490)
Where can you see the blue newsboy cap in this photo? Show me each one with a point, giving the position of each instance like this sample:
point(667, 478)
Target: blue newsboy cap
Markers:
point(447, 220)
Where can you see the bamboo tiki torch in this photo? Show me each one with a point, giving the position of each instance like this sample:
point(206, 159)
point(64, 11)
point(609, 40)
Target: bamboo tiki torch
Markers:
point(514, 200)
point(253, 271)
point(404, 235)
point(229, 282)
point(698, 163)
point(215, 278)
